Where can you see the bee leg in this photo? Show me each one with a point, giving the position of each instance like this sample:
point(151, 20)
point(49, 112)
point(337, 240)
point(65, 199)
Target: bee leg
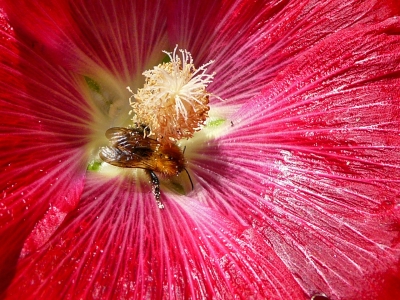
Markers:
point(155, 184)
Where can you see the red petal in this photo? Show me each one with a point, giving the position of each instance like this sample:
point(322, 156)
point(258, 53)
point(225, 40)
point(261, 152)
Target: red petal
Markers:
point(42, 157)
point(313, 165)
point(251, 41)
point(125, 38)
point(121, 37)
point(323, 190)
point(118, 244)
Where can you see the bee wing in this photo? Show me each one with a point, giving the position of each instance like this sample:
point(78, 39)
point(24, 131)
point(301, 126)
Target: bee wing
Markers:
point(130, 138)
point(125, 159)
point(117, 135)
point(129, 148)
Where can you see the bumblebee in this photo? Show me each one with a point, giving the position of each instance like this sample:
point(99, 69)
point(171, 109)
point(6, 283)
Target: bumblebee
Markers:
point(132, 148)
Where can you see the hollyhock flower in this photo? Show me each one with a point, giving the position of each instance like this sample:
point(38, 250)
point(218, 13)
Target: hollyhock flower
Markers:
point(296, 172)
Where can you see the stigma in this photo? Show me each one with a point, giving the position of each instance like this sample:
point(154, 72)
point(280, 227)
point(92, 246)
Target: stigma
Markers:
point(173, 103)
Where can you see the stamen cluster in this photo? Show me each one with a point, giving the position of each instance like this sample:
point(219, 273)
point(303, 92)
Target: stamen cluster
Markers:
point(173, 103)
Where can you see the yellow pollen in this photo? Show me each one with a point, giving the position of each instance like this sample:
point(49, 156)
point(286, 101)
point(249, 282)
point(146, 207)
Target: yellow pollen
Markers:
point(173, 103)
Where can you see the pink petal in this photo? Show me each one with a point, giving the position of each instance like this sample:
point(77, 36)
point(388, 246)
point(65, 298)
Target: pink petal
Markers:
point(313, 165)
point(124, 38)
point(251, 41)
point(42, 157)
point(320, 200)
point(118, 244)
point(115, 36)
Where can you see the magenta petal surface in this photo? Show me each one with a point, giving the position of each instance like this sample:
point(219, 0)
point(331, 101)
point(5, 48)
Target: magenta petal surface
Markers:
point(313, 165)
point(251, 41)
point(300, 196)
point(111, 35)
point(41, 150)
point(118, 244)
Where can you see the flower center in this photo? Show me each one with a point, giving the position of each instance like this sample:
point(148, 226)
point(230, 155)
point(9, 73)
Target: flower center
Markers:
point(173, 103)
point(167, 111)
